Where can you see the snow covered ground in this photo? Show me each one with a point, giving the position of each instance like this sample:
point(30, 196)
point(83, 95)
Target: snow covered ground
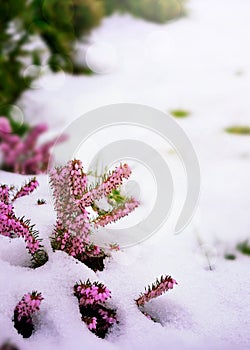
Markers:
point(200, 63)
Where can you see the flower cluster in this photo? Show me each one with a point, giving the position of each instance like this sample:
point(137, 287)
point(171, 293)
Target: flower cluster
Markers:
point(27, 188)
point(158, 288)
point(69, 215)
point(22, 154)
point(116, 214)
point(29, 304)
point(114, 180)
point(73, 201)
point(88, 253)
point(91, 293)
point(12, 227)
point(4, 194)
point(78, 178)
point(97, 316)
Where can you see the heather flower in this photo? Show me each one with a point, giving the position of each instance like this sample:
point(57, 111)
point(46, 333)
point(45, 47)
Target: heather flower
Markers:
point(5, 127)
point(116, 214)
point(72, 197)
point(78, 179)
point(27, 188)
point(114, 180)
point(90, 293)
point(158, 288)
point(12, 227)
point(91, 322)
point(96, 315)
point(4, 193)
point(29, 304)
point(22, 154)
point(69, 215)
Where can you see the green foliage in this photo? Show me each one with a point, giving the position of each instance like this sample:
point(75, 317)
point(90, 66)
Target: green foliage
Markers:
point(11, 45)
point(58, 23)
point(238, 129)
point(153, 10)
point(244, 247)
point(229, 256)
point(17, 128)
point(157, 11)
point(115, 5)
point(59, 32)
point(39, 258)
point(115, 197)
point(179, 113)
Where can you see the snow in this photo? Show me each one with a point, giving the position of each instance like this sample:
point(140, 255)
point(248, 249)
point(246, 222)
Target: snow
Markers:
point(195, 70)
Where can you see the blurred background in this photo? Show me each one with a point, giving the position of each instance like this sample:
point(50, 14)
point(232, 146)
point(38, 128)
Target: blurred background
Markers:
point(189, 58)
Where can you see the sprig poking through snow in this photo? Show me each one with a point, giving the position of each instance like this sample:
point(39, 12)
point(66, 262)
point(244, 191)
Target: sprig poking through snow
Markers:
point(27, 188)
point(117, 213)
point(12, 226)
point(29, 304)
point(97, 316)
point(158, 288)
point(112, 181)
point(10, 194)
point(73, 200)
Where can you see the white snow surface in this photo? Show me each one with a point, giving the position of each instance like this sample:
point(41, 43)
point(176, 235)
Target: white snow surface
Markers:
point(193, 66)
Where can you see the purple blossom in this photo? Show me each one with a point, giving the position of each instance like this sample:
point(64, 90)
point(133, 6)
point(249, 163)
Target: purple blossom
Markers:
point(105, 188)
point(27, 188)
point(73, 201)
point(11, 226)
point(116, 214)
point(91, 322)
point(91, 293)
point(27, 306)
point(95, 313)
point(22, 154)
point(158, 288)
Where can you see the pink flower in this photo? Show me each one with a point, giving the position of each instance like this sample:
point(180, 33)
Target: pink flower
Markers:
point(27, 188)
point(104, 189)
point(28, 305)
point(12, 226)
point(4, 126)
point(161, 286)
point(92, 323)
point(117, 213)
point(71, 198)
point(90, 293)
point(97, 316)
point(23, 155)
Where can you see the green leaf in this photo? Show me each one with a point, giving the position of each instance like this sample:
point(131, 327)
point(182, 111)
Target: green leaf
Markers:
point(244, 247)
point(179, 113)
point(238, 129)
point(229, 256)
